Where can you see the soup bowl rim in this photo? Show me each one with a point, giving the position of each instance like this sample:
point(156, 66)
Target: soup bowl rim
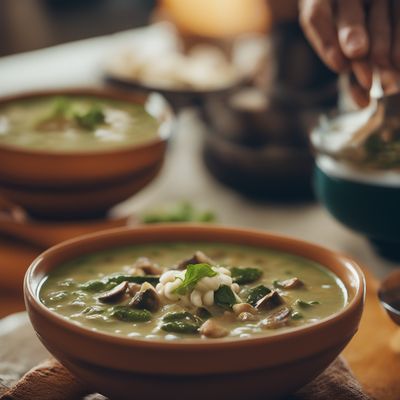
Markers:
point(32, 293)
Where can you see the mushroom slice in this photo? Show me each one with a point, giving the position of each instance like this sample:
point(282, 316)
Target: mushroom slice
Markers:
point(198, 258)
point(144, 266)
point(212, 329)
point(247, 316)
point(276, 319)
point(133, 288)
point(293, 283)
point(243, 308)
point(146, 298)
point(269, 301)
point(148, 267)
point(114, 294)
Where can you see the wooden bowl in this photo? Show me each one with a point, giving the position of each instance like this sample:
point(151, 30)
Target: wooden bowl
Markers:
point(269, 366)
point(71, 183)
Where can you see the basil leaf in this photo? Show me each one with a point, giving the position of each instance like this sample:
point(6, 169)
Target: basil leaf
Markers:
point(224, 297)
point(256, 294)
point(194, 272)
point(245, 275)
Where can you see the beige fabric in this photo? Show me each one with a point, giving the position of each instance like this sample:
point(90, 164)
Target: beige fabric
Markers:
point(50, 380)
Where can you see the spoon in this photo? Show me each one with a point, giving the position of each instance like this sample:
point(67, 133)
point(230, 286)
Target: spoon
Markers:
point(389, 296)
point(349, 132)
point(15, 222)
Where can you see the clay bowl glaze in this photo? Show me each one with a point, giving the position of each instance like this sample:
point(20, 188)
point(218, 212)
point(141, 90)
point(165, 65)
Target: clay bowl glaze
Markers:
point(83, 183)
point(366, 202)
point(246, 368)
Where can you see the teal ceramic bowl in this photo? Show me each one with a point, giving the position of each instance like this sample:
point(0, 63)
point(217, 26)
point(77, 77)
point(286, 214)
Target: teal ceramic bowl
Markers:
point(368, 203)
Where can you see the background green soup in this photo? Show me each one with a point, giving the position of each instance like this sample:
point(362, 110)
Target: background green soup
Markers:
point(75, 123)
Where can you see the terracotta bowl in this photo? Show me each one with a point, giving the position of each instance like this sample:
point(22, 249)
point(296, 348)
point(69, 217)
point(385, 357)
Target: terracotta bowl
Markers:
point(226, 368)
point(51, 183)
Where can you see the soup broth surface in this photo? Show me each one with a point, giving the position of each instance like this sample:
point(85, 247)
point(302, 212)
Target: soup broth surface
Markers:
point(74, 288)
point(75, 123)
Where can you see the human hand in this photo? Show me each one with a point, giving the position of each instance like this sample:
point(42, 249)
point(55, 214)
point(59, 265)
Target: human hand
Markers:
point(355, 36)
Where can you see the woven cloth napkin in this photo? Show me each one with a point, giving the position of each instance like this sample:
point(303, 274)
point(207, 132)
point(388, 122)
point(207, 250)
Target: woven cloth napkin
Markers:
point(51, 381)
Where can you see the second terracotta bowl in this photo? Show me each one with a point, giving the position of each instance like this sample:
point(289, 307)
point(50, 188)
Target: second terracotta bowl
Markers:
point(123, 368)
point(72, 184)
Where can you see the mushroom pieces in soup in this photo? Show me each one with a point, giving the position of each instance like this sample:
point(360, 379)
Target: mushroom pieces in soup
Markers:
point(192, 290)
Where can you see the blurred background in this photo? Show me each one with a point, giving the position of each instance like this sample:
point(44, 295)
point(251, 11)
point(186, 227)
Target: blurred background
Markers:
point(33, 24)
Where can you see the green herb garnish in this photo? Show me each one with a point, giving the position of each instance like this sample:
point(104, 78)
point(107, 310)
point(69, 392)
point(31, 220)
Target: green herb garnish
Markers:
point(61, 107)
point(194, 273)
point(296, 315)
point(96, 286)
point(176, 316)
point(94, 310)
point(224, 297)
point(152, 279)
point(91, 119)
point(245, 275)
point(181, 212)
point(181, 322)
point(306, 304)
point(110, 282)
point(256, 294)
point(127, 314)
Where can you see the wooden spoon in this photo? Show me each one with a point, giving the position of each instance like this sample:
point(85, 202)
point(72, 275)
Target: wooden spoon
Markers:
point(15, 222)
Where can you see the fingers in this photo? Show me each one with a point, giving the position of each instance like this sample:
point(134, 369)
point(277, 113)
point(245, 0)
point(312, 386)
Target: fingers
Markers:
point(363, 72)
point(390, 81)
point(379, 25)
point(396, 33)
point(317, 20)
point(358, 93)
point(352, 32)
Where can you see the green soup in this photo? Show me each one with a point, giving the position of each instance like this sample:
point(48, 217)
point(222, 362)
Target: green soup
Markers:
point(75, 123)
point(223, 291)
